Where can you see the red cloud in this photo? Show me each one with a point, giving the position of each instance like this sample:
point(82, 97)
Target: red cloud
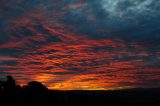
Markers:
point(75, 61)
point(78, 5)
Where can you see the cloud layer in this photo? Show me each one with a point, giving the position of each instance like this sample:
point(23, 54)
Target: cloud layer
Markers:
point(81, 44)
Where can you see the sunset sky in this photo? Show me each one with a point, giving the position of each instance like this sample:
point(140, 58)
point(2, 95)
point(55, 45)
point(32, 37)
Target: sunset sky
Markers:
point(81, 44)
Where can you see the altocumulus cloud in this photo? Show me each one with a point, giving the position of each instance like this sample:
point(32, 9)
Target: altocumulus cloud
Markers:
point(81, 44)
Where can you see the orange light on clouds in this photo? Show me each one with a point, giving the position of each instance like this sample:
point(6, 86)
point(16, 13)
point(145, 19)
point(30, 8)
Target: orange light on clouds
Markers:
point(75, 62)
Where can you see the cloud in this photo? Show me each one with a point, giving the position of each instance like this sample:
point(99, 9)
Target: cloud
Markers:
point(102, 41)
point(5, 58)
point(120, 8)
point(74, 6)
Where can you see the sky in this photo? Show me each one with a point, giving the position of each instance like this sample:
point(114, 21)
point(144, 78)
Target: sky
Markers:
point(81, 44)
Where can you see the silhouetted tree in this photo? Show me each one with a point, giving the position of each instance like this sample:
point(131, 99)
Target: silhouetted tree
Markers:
point(36, 87)
point(9, 85)
point(9, 88)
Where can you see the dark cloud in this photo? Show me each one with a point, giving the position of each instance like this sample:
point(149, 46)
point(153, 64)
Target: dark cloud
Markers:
point(35, 63)
point(9, 62)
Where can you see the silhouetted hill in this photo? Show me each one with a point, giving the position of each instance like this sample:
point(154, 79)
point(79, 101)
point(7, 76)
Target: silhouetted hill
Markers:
point(36, 94)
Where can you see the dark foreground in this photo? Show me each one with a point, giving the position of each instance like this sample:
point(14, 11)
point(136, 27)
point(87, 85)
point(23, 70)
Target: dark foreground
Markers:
point(134, 97)
point(36, 94)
